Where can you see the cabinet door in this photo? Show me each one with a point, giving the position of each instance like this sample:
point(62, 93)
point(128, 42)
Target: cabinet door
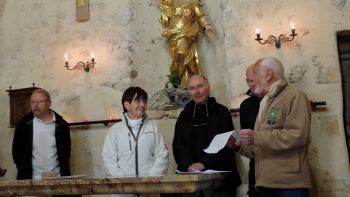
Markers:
point(19, 103)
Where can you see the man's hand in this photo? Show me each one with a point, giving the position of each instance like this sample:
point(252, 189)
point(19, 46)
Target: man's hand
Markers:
point(195, 166)
point(233, 143)
point(246, 136)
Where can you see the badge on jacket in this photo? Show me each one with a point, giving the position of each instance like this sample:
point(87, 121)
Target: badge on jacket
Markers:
point(271, 116)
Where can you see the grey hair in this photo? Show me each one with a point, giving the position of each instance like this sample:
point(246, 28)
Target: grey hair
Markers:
point(273, 64)
point(44, 92)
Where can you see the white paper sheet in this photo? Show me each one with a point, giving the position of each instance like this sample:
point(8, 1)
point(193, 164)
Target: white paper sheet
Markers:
point(68, 177)
point(220, 140)
point(201, 172)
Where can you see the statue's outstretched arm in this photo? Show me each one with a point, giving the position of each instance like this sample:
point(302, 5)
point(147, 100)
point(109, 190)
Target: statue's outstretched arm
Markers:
point(203, 20)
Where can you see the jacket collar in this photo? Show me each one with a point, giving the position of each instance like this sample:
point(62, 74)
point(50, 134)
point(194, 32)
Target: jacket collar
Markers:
point(188, 110)
point(276, 88)
point(28, 119)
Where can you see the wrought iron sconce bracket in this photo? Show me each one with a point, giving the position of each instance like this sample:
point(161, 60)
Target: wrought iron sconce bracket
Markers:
point(277, 40)
point(81, 65)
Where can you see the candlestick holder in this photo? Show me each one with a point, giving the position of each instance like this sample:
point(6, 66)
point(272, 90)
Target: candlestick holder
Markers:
point(81, 65)
point(277, 40)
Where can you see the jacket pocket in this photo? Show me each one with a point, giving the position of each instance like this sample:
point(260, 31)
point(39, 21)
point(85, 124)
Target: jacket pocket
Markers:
point(283, 162)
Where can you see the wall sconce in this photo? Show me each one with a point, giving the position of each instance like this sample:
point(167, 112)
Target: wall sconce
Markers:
point(86, 66)
point(277, 40)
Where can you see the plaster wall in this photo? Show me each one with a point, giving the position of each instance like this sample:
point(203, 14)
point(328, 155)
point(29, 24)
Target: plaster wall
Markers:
point(126, 39)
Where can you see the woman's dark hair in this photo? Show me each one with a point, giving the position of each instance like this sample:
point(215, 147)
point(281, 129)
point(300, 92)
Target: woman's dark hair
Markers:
point(132, 93)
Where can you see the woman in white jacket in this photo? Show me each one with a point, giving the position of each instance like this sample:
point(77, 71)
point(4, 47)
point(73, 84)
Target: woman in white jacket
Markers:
point(134, 146)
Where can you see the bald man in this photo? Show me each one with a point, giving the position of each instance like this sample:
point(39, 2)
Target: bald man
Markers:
point(198, 123)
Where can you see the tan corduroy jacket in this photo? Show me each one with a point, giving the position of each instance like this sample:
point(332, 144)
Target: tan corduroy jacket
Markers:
point(281, 139)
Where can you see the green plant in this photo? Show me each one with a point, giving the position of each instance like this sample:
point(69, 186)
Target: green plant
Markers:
point(174, 76)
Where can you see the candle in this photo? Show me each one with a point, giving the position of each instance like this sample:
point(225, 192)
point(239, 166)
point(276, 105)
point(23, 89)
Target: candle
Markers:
point(257, 33)
point(66, 58)
point(293, 28)
point(92, 56)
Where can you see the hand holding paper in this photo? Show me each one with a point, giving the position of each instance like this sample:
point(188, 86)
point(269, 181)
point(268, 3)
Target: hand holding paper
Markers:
point(233, 142)
point(246, 136)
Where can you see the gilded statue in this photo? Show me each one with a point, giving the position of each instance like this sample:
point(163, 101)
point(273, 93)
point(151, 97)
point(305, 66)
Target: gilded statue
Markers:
point(182, 21)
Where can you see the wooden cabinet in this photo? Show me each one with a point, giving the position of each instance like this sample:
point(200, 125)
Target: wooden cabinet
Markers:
point(19, 103)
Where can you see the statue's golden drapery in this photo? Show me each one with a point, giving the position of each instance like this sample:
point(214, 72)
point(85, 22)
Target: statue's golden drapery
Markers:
point(182, 21)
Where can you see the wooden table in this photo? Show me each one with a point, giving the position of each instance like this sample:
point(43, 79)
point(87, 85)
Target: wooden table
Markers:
point(85, 186)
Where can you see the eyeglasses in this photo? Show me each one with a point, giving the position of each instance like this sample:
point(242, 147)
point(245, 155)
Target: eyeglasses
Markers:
point(200, 122)
point(38, 101)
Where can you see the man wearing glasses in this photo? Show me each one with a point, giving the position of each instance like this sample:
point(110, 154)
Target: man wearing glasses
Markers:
point(198, 123)
point(41, 144)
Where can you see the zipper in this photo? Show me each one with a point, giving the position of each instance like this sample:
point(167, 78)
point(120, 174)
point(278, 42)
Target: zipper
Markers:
point(129, 141)
point(136, 142)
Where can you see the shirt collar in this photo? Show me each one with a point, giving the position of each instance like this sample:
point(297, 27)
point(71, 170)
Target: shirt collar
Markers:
point(52, 120)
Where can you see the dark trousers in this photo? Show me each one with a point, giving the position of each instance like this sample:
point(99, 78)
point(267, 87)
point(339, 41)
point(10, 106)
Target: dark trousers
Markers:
point(276, 192)
point(252, 192)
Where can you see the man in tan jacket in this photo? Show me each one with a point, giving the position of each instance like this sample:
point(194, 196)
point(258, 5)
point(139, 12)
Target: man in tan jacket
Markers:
point(279, 141)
